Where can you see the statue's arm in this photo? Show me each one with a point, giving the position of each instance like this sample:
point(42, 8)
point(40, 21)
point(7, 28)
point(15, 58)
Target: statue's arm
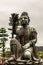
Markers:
point(33, 35)
point(34, 40)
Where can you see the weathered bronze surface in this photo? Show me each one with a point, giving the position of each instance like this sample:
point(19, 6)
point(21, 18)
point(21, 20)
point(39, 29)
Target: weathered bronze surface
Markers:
point(23, 45)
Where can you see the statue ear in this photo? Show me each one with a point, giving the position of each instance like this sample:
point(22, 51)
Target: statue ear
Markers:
point(28, 19)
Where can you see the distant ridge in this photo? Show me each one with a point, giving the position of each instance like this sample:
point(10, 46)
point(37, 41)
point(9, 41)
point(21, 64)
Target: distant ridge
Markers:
point(39, 48)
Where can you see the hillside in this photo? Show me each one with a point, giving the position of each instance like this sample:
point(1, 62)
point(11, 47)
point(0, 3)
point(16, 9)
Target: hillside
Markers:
point(39, 48)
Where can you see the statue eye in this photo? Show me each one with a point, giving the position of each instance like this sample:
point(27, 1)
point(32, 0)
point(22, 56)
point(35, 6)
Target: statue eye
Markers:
point(25, 18)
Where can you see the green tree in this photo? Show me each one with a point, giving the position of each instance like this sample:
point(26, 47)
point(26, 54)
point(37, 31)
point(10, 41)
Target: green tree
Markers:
point(40, 54)
point(8, 53)
point(3, 39)
point(14, 23)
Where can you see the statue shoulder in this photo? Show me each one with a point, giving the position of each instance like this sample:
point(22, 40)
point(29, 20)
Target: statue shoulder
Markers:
point(33, 30)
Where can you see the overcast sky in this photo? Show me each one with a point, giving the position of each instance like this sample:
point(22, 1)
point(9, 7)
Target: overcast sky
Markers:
point(34, 9)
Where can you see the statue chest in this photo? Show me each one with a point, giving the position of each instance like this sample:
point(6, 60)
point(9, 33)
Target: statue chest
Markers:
point(25, 34)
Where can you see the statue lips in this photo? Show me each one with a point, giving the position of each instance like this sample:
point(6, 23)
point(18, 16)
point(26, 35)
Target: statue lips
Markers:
point(23, 22)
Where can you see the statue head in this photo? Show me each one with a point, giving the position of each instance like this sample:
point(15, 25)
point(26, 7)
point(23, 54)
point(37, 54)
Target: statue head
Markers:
point(24, 19)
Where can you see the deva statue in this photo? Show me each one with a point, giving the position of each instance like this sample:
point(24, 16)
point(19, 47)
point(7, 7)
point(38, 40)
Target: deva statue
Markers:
point(23, 45)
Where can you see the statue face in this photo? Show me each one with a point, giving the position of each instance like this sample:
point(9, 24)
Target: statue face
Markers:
point(24, 20)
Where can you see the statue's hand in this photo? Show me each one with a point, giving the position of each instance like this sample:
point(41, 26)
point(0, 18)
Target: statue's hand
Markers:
point(26, 46)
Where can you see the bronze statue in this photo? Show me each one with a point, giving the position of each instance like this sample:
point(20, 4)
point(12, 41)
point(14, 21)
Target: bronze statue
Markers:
point(23, 45)
point(27, 37)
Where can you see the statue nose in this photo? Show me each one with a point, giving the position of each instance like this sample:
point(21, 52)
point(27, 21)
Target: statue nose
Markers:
point(23, 19)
